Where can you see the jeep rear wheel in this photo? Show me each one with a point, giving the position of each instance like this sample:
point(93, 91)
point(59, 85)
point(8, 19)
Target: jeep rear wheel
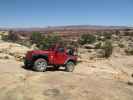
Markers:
point(40, 65)
point(70, 66)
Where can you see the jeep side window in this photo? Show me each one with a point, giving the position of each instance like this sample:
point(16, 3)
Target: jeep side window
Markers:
point(70, 51)
point(60, 49)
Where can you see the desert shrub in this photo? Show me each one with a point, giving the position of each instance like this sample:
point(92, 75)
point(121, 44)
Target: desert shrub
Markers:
point(121, 45)
point(127, 33)
point(107, 49)
point(103, 36)
point(108, 35)
point(129, 51)
point(36, 37)
point(98, 45)
point(4, 37)
point(87, 39)
point(44, 42)
point(50, 40)
point(100, 38)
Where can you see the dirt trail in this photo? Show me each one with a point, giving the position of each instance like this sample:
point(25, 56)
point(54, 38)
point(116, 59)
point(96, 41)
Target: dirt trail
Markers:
point(96, 80)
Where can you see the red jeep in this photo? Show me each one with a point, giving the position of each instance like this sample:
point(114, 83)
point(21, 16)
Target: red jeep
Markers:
point(57, 56)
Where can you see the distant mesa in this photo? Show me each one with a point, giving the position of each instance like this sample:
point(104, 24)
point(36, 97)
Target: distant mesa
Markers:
point(70, 27)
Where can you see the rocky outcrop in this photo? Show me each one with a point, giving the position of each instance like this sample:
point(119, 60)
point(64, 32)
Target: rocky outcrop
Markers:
point(6, 56)
point(13, 50)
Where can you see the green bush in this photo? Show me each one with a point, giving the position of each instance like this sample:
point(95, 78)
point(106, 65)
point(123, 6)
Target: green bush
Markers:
point(107, 35)
point(36, 38)
point(50, 40)
point(121, 45)
point(44, 42)
point(107, 49)
point(87, 39)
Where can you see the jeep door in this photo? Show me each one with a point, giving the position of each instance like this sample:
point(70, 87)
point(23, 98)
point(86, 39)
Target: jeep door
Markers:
point(60, 56)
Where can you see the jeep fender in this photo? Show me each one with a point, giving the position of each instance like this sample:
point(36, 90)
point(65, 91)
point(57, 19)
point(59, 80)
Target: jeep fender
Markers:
point(35, 57)
point(69, 59)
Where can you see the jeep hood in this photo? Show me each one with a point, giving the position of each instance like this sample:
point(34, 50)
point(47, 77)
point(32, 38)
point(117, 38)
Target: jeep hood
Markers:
point(40, 51)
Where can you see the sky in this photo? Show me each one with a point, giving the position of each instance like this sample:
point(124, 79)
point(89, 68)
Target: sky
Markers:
point(42, 13)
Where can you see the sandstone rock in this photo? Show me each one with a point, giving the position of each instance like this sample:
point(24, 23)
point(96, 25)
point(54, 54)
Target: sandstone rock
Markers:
point(89, 46)
point(6, 56)
point(99, 53)
point(15, 50)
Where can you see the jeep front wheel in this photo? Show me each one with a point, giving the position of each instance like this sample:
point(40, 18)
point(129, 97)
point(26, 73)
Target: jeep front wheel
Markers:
point(70, 66)
point(40, 65)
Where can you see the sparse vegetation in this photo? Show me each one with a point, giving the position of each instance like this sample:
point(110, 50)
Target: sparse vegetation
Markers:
point(107, 49)
point(4, 37)
point(98, 45)
point(129, 51)
point(98, 40)
point(103, 36)
point(107, 35)
point(36, 37)
point(44, 42)
point(87, 39)
point(49, 40)
point(102, 42)
point(121, 45)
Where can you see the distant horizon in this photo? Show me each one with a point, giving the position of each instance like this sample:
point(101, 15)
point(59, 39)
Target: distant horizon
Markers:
point(66, 26)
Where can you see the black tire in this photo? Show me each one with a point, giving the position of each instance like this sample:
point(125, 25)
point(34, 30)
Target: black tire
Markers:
point(40, 65)
point(56, 67)
point(27, 65)
point(70, 66)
